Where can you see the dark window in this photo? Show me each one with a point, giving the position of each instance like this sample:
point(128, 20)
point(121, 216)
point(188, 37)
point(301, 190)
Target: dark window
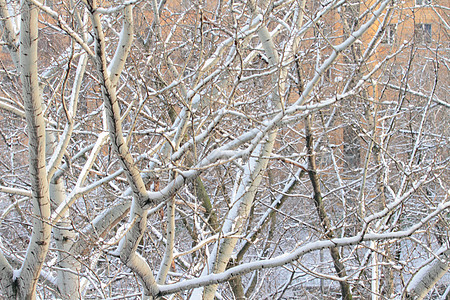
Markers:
point(423, 2)
point(422, 33)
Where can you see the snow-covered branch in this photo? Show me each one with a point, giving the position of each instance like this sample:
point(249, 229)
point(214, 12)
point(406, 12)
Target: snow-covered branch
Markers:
point(293, 256)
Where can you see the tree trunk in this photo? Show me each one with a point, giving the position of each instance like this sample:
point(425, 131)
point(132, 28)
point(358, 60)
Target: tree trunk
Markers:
point(324, 220)
point(38, 246)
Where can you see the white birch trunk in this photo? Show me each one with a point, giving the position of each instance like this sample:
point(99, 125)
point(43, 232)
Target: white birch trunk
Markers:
point(10, 32)
point(375, 285)
point(68, 266)
point(40, 239)
point(424, 280)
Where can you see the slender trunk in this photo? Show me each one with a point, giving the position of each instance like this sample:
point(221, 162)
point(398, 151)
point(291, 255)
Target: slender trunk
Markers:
point(170, 243)
point(203, 196)
point(324, 220)
point(237, 288)
point(40, 239)
point(387, 283)
point(68, 266)
point(375, 286)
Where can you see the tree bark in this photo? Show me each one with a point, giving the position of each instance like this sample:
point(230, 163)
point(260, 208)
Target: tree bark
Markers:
point(38, 246)
point(424, 280)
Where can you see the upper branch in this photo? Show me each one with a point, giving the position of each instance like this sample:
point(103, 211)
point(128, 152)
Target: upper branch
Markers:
point(113, 110)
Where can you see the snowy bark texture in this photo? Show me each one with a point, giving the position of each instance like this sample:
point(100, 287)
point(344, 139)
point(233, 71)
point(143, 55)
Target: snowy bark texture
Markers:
point(28, 275)
point(159, 149)
point(425, 279)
